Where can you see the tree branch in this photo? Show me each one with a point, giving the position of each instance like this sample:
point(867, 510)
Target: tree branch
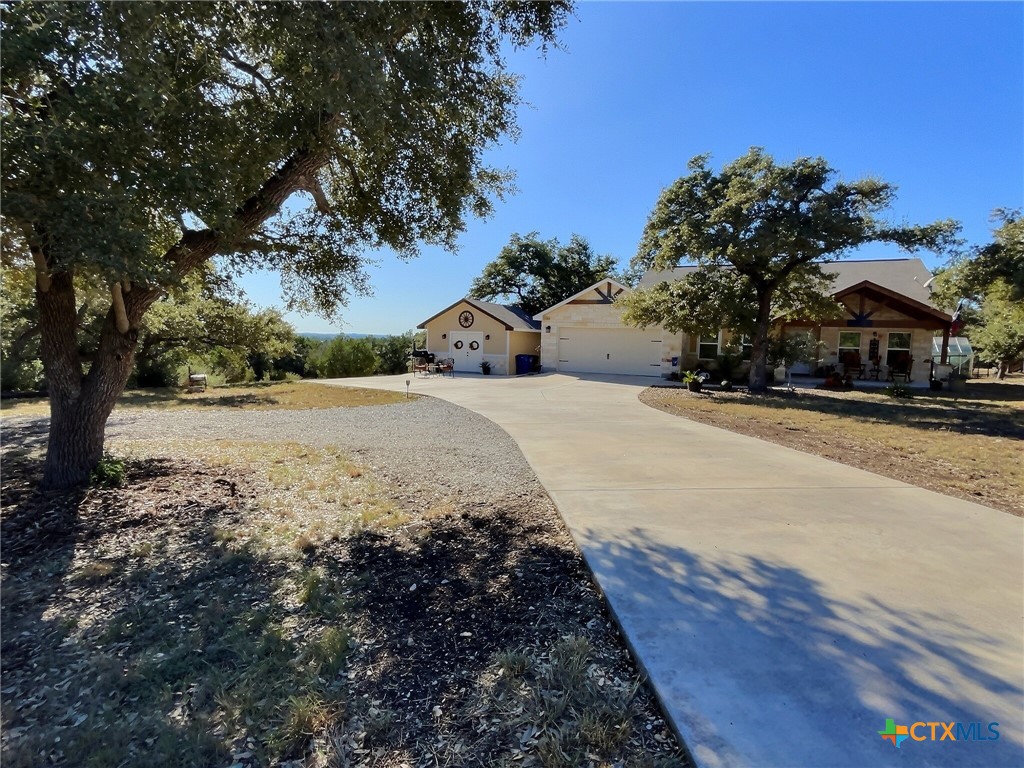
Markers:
point(43, 280)
point(249, 69)
point(312, 185)
point(120, 314)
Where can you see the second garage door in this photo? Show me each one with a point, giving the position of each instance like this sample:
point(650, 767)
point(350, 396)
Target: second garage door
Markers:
point(609, 350)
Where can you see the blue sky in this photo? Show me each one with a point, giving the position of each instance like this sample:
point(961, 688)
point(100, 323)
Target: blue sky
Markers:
point(928, 96)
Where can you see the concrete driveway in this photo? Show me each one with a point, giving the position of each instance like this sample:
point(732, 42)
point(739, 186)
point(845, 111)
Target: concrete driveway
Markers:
point(783, 605)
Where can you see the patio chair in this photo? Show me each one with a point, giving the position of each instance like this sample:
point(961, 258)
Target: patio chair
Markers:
point(901, 367)
point(852, 364)
point(447, 365)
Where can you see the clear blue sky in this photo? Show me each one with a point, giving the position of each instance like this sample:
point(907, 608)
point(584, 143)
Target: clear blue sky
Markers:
point(928, 96)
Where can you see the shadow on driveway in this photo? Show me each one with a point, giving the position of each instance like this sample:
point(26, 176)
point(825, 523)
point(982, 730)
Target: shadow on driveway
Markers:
point(782, 674)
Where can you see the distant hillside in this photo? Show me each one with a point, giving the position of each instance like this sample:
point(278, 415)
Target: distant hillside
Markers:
point(329, 336)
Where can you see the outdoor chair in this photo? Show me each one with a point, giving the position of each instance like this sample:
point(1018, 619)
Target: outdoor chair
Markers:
point(196, 381)
point(900, 367)
point(447, 365)
point(852, 364)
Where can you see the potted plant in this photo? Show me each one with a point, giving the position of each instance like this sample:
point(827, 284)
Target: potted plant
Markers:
point(485, 367)
point(692, 380)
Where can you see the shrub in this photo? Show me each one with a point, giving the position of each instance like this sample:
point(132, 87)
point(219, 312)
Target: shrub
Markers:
point(898, 391)
point(157, 372)
point(110, 472)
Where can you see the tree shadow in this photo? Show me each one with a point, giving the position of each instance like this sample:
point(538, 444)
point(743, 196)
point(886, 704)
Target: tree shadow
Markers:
point(161, 397)
point(761, 667)
point(923, 413)
point(25, 437)
point(133, 632)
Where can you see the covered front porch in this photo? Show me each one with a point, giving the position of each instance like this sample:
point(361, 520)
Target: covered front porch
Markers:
point(883, 337)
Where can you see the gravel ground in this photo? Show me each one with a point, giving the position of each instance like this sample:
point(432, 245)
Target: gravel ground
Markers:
point(423, 445)
point(475, 634)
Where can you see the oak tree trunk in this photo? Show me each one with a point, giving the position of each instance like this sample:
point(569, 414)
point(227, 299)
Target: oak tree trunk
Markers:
point(758, 379)
point(79, 406)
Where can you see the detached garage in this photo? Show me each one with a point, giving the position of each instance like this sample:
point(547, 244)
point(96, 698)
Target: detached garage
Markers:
point(585, 334)
point(472, 331)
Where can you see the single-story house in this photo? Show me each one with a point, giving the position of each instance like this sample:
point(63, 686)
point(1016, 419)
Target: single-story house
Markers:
point(889, 321)
point(471, 331)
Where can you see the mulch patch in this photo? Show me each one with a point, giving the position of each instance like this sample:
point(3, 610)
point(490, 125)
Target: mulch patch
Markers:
point(113, 575)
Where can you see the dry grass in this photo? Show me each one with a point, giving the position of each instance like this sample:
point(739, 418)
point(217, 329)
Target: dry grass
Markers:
point(309, 495)
point(262, 396)
point(242, 603)
point(969, 446)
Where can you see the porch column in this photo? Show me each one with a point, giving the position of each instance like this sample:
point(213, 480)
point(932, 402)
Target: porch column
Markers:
point(945, 345)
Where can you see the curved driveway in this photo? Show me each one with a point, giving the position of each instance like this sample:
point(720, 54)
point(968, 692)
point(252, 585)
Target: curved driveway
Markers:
point(783, 605)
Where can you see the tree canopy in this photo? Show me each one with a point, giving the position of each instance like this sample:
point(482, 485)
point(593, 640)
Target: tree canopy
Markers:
point(970, 273)
point(143, 139)
point(987, 284)
point(761, 234)
point(534, 274)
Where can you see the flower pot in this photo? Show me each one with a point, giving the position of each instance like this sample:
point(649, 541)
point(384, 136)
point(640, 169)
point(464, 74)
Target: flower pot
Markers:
point(693, 386)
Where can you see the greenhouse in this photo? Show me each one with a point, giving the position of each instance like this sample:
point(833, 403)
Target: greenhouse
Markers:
point(960, 356)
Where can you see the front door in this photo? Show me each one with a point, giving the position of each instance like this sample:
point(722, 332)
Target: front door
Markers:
point(467, 349)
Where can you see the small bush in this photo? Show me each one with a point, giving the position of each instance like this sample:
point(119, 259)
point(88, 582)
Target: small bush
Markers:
point(156, 374)
point(110, 472)
point(899, 391)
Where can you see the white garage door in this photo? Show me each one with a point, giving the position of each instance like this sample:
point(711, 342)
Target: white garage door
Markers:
point(609, 350)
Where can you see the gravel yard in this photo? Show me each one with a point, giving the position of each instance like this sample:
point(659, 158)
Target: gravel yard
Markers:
point(424, 445)
point(371, 586)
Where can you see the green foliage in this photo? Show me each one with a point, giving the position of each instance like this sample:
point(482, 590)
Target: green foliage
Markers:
point(970, 275)
point(144, 140)
point(392, 353)
point(127, 125)
point(110, 472)
point(711, 298)
point(760, 234)
point(728, 362)
point(203, 317)
point(296, 361)
point(898, 391)
point(535, 274)
point(344, 357)
point(485, 366)
point(793, 348)
point(999, 333)
point(987, 283)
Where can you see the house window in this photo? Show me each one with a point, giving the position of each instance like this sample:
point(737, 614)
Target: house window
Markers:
point(707, 347)
point(746, 346)
point(898, 348)
point(849, 341)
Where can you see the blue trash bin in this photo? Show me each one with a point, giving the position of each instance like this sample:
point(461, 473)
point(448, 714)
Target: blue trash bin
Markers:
point(523, 363)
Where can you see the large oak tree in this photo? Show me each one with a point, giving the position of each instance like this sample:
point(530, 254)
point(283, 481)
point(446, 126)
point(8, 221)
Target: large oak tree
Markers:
point(761, 234)
point(143, 139)
point(986, 285)
point(534, 274)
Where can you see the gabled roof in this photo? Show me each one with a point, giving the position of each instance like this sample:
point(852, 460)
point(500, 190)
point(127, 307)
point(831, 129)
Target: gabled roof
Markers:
point(598, 287)
point(880, 292)
point(513, 318)
point(908, 277)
